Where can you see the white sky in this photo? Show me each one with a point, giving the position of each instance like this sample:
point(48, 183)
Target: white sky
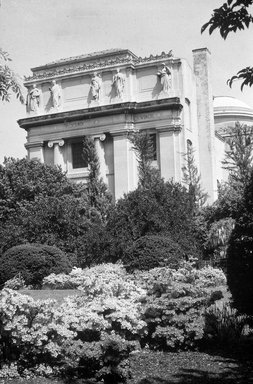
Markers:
point(36, 32)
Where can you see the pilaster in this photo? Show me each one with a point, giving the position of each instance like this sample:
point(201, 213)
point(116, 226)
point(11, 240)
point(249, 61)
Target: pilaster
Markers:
point(125, 166)
point(35, 150)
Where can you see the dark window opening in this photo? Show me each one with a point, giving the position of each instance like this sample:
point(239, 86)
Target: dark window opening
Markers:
point(78, 159)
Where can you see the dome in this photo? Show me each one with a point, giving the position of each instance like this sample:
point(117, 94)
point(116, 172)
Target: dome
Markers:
point(227, 105)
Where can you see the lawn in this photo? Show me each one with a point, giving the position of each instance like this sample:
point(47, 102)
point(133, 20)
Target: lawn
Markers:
point(43, 294)
point(181, 368)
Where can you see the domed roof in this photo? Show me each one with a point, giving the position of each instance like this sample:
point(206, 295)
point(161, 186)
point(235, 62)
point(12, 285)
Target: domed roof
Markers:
point(230, 105)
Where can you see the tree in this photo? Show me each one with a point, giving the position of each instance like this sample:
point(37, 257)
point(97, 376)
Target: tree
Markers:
point(239, 163)
point(9, 81)
point(39, 204)
point(232, 16)
point(192, 179)
point(220, 218)
point(163, 210)
point(239, 157)
point(99, 197)
point(143, 147)
point(23, 180)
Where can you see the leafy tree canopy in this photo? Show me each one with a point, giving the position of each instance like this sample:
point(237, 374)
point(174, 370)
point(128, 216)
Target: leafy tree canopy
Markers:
point(232, 16)
point(9, 81)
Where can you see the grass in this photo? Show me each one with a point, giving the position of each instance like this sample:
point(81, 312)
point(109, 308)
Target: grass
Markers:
point(43, 294)
point(150, 367)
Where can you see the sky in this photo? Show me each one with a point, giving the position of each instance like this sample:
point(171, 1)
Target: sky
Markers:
point(36, 32)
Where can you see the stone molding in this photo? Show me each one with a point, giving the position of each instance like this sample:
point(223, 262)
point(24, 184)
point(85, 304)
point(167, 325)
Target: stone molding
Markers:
point(38, 144)
point(58, 69)
point(80, 115)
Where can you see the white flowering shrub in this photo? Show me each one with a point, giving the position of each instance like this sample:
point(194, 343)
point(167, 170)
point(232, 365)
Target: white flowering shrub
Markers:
point(78, 276)
point(17, 282)
point(176, 303)
point(88, 335)
point(92, 334)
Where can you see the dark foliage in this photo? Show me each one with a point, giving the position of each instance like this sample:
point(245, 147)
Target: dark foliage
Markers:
point(240, 255)
point(97, 192)
point(165, 209)
point(33, 262)
point(153, 251)
point(143, 146)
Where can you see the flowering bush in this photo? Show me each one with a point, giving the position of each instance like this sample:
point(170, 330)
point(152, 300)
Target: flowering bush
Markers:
point(175, 304)
point(88, 335)
point(17, 282)
point(78, 276)
point(92, 334)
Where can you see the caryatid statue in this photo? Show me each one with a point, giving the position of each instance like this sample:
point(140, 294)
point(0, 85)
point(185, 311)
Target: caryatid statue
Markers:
point(95, 86)
point(118, 83)
point(56, 95)
point(34, 99)
point(165, 77)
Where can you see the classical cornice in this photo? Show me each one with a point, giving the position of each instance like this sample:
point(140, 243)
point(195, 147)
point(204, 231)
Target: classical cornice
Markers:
point(100, 62)
point(101, 111)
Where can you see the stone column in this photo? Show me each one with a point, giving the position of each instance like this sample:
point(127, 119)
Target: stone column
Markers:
point(125, 166)
point(205, 115)
point(170, 157)
point(58, 153)
point(101, 155)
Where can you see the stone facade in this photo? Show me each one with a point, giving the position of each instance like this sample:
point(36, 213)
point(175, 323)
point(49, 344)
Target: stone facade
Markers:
point(107, 94)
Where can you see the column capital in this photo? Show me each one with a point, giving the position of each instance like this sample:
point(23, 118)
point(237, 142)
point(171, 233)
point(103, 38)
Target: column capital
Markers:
point(60, 142)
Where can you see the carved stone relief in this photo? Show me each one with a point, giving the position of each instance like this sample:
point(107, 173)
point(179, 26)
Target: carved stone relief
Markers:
point(95, 88)
point(164, 74)
point(56, 96)
point(118, 85)
point(34, 100)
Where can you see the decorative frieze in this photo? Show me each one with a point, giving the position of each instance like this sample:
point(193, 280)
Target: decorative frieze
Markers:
point(58, 69)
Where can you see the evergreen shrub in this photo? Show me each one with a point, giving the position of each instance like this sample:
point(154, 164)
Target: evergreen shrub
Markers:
point(33, 262)
point(153, 251)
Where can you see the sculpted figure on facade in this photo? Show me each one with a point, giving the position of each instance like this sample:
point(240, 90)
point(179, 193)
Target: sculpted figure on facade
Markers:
point(56, 95)
point(118, 84)
point(165, 77)
point(34, 99)
point(95, 86)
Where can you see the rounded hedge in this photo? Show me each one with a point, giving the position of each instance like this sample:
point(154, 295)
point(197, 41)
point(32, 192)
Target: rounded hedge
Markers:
point(33, 262)
point(152, 251)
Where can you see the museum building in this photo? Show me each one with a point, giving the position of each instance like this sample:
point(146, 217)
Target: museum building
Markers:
point(108, 94)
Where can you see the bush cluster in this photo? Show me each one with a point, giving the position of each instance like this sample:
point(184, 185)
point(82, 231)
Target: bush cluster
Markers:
point(92, 334)
point(33, 262)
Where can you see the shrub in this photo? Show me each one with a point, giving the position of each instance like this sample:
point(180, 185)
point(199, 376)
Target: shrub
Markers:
point(165, 209)
point(153, 251)
point(80, 277)
point(33, 261)
point(87, 336)
point(223, 325)
point(175, 305)
point(17, 282)
point(91, 335)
